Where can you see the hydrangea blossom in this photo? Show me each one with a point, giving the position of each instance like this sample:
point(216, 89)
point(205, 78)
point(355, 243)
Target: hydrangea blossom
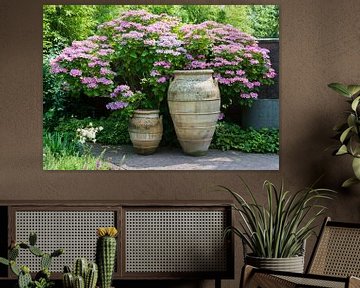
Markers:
point(240, 65)
point(124, 97)
point(93, 53)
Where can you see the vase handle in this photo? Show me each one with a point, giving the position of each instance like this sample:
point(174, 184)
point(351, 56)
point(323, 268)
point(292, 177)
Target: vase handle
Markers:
point(216, 81)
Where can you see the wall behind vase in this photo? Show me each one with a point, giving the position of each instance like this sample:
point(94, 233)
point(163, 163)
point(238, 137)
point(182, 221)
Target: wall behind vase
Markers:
point(319, 44)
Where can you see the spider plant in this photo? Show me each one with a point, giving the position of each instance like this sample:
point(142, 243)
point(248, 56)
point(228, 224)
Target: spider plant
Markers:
point(279, 229)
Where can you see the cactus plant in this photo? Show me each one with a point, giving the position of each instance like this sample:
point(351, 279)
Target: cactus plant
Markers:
point(23, 273)
point(68, 280)
point(105, 254)
point(91, 276)
point(79, 282)
point(32, 239)
point(24, 277)
point(45, 261)
point(84, 274)
point(80, 268)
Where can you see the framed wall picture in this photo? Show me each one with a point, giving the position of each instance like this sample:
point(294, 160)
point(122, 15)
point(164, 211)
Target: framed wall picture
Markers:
point(161, 87)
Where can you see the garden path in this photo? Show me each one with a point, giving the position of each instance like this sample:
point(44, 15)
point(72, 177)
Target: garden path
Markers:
point(174, 159)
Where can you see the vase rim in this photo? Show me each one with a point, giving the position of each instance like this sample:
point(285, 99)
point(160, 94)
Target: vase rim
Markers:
point(196, 71)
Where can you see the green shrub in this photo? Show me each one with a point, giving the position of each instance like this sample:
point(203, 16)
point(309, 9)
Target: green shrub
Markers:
point(264, 20)
point(115, 130)
point(229, 136)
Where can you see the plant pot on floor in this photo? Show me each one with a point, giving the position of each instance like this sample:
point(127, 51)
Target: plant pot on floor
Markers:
point(194, 104)
point(145, 129)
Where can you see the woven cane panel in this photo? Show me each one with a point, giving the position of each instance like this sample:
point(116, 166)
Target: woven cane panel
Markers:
point(338, 253)
point(74, 231)
point(308, 282)
point(175, 241)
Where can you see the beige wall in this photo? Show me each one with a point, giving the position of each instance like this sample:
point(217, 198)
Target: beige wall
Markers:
point(319, 44)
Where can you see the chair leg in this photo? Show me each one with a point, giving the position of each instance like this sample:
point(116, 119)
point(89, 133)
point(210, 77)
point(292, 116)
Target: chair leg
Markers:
point(217, 282)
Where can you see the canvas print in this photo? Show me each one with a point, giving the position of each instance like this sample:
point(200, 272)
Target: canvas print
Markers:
point(160, 87)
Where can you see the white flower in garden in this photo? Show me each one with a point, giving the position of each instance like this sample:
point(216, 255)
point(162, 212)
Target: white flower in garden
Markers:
point(88, 133)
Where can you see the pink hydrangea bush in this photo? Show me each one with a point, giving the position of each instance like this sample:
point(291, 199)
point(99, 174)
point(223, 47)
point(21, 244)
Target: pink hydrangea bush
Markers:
point(147, 51)
point(240, 65)
point(85, 66)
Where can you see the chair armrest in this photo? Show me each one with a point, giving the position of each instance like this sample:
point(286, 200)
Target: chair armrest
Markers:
point(354, 282)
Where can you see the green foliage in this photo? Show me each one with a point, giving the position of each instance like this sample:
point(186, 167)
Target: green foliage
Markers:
point(64, 23)
point(264, 20)
point(105, 13)
point(279, 229)
point(68, 162)
point(229, 136)
point(60, 144)
point(199, 13)
point(238, 16)
point(62, 152)
point(43, 283)
point(349, 132)
point(115, 130)
point(54, 96)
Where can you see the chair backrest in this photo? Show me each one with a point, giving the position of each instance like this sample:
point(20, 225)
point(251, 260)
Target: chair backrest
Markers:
point(337, 251)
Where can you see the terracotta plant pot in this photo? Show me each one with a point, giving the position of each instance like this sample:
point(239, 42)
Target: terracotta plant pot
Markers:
point(145, 129)
point(194, 104)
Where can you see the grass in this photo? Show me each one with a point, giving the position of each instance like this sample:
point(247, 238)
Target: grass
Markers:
point(61, 152)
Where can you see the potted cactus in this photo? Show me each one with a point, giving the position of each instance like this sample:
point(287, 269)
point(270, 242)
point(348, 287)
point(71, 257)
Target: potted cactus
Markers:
point(84, 275)
point(106, 254)
point(42, 278)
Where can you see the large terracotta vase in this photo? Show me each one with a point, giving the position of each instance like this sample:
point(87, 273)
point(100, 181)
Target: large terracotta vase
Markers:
point(194, 104)
point(145, 129)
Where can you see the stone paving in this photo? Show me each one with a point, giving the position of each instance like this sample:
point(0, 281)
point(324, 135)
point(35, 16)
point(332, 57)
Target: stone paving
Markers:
point(124, 158)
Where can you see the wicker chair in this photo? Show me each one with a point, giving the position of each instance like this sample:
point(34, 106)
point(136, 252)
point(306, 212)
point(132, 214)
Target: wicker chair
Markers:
point(334, 263)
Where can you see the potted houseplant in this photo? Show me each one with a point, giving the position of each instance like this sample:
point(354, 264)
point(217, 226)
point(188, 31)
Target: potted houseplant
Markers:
point(276, 233)
point(130, 60)
point(238, 65)
point(349, 132)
